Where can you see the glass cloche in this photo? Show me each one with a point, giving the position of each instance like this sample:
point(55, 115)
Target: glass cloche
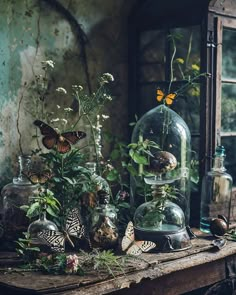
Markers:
point(167, 129)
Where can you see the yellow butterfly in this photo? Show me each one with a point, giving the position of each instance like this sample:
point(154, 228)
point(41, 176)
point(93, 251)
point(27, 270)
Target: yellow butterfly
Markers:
point(133, 247)
point(169, 98)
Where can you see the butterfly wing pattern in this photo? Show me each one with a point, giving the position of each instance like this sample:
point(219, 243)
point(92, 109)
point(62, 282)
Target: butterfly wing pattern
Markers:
point(36, 177)
point(168, 99)
point(62, 142)
point(74, 226)
point(54, 239)
point(133, 247)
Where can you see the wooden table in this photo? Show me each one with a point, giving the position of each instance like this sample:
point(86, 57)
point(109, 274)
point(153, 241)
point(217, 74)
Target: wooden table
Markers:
point(161, 273)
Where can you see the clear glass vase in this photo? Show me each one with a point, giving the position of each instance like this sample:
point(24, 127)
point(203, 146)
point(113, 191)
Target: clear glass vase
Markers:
point(14, 195)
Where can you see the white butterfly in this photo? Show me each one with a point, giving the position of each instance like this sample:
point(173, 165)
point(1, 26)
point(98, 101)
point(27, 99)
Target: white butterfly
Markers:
point(56, 240)
point(133, 247)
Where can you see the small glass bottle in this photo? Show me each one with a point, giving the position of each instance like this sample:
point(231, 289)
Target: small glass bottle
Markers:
point(100, 182)
point(14, 195)
point(104, 232)
point(216, 192)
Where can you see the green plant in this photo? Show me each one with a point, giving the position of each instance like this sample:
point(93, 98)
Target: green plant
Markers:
point(41, 202)
point(25, 249)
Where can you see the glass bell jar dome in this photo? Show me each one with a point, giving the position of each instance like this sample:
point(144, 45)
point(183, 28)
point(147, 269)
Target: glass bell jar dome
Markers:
point(169, 131)
point(164, 220)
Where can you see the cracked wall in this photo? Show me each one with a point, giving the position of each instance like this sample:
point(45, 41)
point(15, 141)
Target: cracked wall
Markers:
point(32, 31)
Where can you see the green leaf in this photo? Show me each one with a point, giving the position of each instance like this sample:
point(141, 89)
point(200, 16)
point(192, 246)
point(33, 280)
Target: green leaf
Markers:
point(24, 208)
point(139, 159)
point(112, 175)
point(33, 209)
point(51, 212)
point(132, 170)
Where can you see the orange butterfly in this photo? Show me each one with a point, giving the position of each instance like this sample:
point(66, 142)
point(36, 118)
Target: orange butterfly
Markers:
point(62, 142)
point(133, 247)
point(168, 99)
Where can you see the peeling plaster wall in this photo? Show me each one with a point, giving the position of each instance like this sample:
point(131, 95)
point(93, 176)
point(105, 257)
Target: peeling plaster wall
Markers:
point(32, 31)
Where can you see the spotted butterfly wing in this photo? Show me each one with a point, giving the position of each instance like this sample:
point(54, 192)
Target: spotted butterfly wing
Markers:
point(133, 247)
point(54, 239)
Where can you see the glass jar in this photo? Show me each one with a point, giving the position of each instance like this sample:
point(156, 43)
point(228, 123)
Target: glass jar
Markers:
point(104, 232)
point(216, 192)
point(167, 129)
point(14, 195)
point(42, 223)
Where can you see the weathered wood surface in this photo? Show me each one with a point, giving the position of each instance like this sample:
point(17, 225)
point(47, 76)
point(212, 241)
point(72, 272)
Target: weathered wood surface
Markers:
point(199, 266)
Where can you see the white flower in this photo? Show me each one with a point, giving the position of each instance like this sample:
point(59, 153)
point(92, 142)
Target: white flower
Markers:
point(64, 121)
point(55, 120)
point(77, 87)
point(108, 77)
point(61, 90)
point(68, 109)
point(58, 106)
point(48, 63)
point(105, 117)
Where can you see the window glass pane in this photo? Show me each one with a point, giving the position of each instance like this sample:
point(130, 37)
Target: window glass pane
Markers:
point(230, 161)
point(187, 58)
point(228, 108)
point(229, 54)
point(151, 73)
point(152, 51)
point(187, 105)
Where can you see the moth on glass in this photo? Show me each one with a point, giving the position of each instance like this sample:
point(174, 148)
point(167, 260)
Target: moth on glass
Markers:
point(133, 247)
point(62, 142)
point(56, 240)
point(38, 177)
point(169, 98)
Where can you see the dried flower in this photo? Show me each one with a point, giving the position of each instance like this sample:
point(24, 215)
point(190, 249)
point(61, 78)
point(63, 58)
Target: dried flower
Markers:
point(72, 263)
point(61, 90)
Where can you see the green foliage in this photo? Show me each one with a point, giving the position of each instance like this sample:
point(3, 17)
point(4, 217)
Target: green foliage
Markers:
point(70, 180)
point(25, 249)
point(140, 153)
point(43, 201)
point(103, 261)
